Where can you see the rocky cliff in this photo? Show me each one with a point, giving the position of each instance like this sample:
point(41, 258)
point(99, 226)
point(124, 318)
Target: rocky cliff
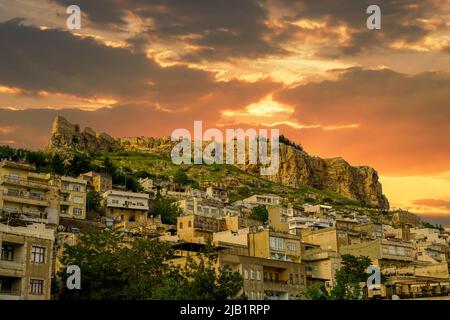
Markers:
point(66, 134)
point(297, 168)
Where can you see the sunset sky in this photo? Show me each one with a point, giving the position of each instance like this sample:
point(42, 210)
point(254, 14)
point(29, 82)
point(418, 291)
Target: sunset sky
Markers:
point(310, 68)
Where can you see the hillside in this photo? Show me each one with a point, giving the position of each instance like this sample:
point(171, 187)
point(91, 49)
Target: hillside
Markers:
point(300, 173)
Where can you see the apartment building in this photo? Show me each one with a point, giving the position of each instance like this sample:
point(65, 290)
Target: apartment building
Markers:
point(321, 265)
point(72, 200)
point(298, 224)
point(263, 279)
point(330, 238)
point(266, 279)
point(27, 195)
point(274, 245)
point(278, 217)
point(262, 199)
point(128, 209)
point(293, 220)
point(217, 193)
point(99, 182)
point(318, 210)
point(383, 252)
point(25, 262)
point(206, 207)
point(235, 222)
point(198, 228)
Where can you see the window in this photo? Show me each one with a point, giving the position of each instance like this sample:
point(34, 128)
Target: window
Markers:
point(276, 243)
point(13, 192)
point(190, 224)
point(115, 201)
point(292, 246)
point(245, 274)
point(36, 286)
point(35, 195)
point(258, 275)
point(38, 254)
point(7, 252)
point(5, 285)
point(181, 225)
point(77, 212)
point(252, 274)
point(77, 188)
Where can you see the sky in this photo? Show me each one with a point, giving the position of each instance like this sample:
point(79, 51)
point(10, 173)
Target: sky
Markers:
point(310, 68)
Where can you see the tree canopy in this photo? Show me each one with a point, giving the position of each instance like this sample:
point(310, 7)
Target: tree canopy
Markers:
point(348, 277)
point(260, 213)
point(115, 269)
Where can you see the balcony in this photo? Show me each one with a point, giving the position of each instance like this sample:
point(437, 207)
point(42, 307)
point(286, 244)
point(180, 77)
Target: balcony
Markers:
point(32, 216)
point(11, 268)
point(25, 197)
point(9, 295)
point(23, 182)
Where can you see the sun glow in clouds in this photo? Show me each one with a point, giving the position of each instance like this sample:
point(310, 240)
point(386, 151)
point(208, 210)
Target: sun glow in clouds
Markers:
point(266, 107)
point(270, 113)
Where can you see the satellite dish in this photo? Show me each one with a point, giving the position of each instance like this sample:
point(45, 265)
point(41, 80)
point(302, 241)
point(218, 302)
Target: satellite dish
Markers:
point(61, 228)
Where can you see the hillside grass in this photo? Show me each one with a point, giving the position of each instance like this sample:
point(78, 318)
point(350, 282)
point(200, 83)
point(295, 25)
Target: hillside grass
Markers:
point(240, 184)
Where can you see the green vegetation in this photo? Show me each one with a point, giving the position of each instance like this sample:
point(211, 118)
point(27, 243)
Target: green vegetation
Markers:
point(181, 177)
point(260, 213)
point(167, 209)
point(433, 226)
point(352, 272)
point(127, 167)
point(288, 142)
point(93, 199)
point(141, 270)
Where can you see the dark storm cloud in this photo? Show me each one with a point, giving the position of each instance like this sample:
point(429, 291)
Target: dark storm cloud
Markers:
point(401, 20)
point(222, 29)
point(57, 61)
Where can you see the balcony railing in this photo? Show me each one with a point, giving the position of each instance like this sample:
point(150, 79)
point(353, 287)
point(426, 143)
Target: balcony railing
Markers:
point(23, 182)
point(25, 195)
point(9, 294)
point(36, 216)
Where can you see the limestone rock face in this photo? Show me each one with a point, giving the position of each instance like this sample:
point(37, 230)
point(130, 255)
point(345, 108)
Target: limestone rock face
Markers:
point(68, 135)
point(297, 167)
point(161, 146)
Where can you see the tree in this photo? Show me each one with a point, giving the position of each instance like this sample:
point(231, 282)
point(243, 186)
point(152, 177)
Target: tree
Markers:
point(348, 277)
point(200, 280)
point(108, 166)
point(93, 199)
point(260, 213)
point(96, 253)
point(181, 177)
point(167, 209)
point(6, 152)
point(140, 269)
